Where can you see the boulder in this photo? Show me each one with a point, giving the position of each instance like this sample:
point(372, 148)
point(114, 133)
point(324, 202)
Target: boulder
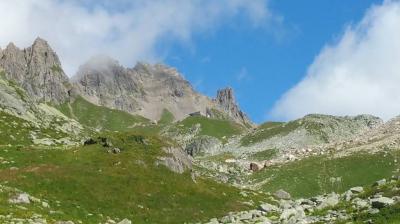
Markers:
point(177, 160)
point(268, 208)
point(201, 145)
point(360, 203)
point(89, 141)
point(114, 150)
point(329, 201)
point(22, 198)
point(294, 214)
point(357, 190)
point(125, 221)
point(379, 183)
point(381, 202)
point(255, 166)
point(213, 221)
point(281, 194)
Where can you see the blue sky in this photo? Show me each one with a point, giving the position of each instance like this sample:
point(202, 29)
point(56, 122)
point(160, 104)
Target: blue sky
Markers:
point(284, 58)
point(272, 63)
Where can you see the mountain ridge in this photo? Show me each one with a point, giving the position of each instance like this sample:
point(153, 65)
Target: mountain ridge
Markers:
point(145, 89)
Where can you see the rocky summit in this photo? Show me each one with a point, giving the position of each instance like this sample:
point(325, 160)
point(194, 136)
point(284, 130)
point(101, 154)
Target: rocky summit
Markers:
point(38, 70)
point(118, 145)
point(148, 90)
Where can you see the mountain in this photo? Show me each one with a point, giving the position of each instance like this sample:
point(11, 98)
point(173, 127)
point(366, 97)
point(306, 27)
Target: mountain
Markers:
point(123, 145)
point(148, 90)
point(311, 130)
point(38, 70)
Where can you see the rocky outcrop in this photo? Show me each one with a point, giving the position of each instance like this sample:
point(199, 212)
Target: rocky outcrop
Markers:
point(226, 102)
point(202, 145)
point(38, 70)
point(176, 160)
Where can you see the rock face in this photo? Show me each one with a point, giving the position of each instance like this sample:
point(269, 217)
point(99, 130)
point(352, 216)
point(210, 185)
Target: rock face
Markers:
point(177, 160)
point(202, 144)
point(38, 70)
point(149, 89)
point(145, 89)
point(226, 102)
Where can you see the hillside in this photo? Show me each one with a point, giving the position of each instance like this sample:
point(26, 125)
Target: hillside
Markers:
point(118, 145)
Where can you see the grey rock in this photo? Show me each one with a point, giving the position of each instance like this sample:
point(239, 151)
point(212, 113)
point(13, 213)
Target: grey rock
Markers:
point(144, 89)
point(281, 194)
point(357, 190)
point(360, 203)
point(379, 183)
point(268, 207)
point(213, 221)
point(114, 150)
point(226, 101)
point(381, 202)
point(295, 214)
point(329, 201)
point(373, 211)
point(245, 216)
point(22, 198)
point(125, 221)
point(201, 145)
point(177, 160)
point(396, 199)
point(38, 70)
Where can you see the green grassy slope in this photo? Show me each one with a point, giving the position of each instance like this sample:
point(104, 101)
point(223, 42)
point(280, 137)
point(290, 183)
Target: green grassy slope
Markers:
point(221, 129)
point(14, 130)
point(268, 130)
point(100, 117)
point(88, 180)
point(166, 117)
point(312, 176)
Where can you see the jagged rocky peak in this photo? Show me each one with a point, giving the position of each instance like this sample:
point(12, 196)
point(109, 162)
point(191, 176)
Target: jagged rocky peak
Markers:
point(38, 70)
point(103, 81)
point(226, 101)
point(157, 70)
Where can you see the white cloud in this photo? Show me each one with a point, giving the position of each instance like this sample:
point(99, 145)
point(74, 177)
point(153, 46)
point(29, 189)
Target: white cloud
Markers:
point(360, 74)
point(126, 30)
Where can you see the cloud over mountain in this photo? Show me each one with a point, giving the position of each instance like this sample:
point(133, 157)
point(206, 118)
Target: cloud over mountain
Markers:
point(126, 30)
point(358, 74)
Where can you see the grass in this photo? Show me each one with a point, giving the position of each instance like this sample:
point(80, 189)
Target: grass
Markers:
point(14, 130)
point(99, 117)
point(264, 155)
point(56, 69)
point(221, 129)
point(17, 131)
point(88, 180)
point(269, 130)
point(313, 176)
point(166, 117)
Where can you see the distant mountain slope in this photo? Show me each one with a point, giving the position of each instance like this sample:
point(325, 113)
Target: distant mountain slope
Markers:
point(311, 130)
